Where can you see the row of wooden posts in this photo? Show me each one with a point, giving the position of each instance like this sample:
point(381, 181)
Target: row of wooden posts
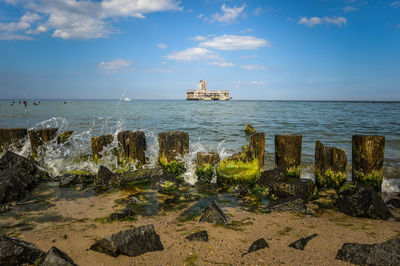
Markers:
point(367, 150)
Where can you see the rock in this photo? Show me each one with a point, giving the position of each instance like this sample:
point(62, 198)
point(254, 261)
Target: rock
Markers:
point(198, 236)
point(287, 205)
point(132, 147)
point(302, 242)
point(330, 166)
point(80, 186)
point(12, 138)
point(205, 166)
point(288, 153)
point(173, 146)
point(133, 200)
point(64, 136)
point(72, 179)
point(292, 187)
point(367, 158)
point(98, 144)
point(105, 177)
point(14, 183)
point(38, 137)
point(213, 214)
point(131, 242)
point(5, 207)
point(13, 161)
point(155, 176)
point(57, 258)
point(386, 253)
point(362, 201)
point(125, 213)
point(273, 175)
point(395, 202)
point(249, 130)
point(14, 251)
point(240, 191)
point(244, 167)
point(257, 245)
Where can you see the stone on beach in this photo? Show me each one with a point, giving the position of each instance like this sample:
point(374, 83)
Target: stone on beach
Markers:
point(198, 236)
point(98, 144)
point(368, 153)
point(213, 214)
point(125, 213)
point(39, 137)
point(294, 204)
point(172, 147)
point(244, 167)
point(257, 245)
point(386, 253)
point(363, 201)
point(105, 177)
point(12, 138)
point(14, 251)
point(330, 166)
point(205, 166)
point(132, 147)
point(302, 242)
point(55, 257)
point(288, 153)
point(131, 242)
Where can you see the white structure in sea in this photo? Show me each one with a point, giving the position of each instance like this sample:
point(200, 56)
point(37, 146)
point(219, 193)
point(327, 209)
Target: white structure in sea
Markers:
point(205, 95)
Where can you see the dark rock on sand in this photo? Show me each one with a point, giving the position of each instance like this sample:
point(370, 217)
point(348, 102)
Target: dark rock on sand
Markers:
point(386, 253)
point(14, 251)
point(257, 245)
point(11, 160)
point(125, 213)
point(240, 191)
point(395, 202)
point(213, 214)
point(73, 179)
point(57, 258)
point(131, 242)
point(363, 201)
point(287, 205)
point(273, 175)
point(198, 236)
point(105, 177)
point(292, 187)
point(302, 242)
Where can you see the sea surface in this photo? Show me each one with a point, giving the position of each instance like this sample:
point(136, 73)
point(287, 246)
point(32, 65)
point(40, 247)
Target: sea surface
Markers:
point(212, 126)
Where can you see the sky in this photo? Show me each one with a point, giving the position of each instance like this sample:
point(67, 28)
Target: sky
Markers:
point(158, 49)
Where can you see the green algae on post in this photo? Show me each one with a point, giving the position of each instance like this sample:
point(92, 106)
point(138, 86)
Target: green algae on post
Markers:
point(98, 144)
point(238, 172)
point(249, 130)
point(288, 153)
point(205, 166)
point(205, 173)
point(367, 158)
point(131, 148)
point(173, 167)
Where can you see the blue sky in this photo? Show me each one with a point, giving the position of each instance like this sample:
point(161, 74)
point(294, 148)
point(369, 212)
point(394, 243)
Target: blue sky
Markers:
point(157, 49)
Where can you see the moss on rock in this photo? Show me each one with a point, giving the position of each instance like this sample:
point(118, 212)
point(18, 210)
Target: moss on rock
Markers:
point(173, 167)
point(374, 179)
point(249, 130)
point(238, 172)
point(205, 173)
point(330, 179)
point(293, 172)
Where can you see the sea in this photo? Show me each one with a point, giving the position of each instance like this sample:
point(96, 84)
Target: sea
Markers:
point(216, 126)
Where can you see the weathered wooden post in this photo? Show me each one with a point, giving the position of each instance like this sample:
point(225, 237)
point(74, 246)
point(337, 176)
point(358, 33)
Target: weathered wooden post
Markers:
point(98, 144)
point(368, 153)
point(330, 166)
point(38, 137)
point(205, 166)
point(64, 136)
point(244, 167)
point(12, 138)
point(132, 147)
point(288, 153)
point(172, 146)
point(249, 130)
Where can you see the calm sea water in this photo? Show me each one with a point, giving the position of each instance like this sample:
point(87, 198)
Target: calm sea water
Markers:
point(218, 126)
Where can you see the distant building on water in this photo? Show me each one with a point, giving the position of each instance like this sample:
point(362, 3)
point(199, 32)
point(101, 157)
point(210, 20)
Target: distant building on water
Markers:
point(205, 95)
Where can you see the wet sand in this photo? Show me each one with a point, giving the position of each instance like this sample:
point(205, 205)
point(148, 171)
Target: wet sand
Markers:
point(74, 222)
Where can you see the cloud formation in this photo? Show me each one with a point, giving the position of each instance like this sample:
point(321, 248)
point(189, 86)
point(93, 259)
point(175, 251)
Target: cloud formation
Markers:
point(194, 54)
point(162, 46)
point(117, 64)
point(85, 19)
point(313, 21)
point(253, 67)
point(235, 42)
point(395, 4)
point(229, 14)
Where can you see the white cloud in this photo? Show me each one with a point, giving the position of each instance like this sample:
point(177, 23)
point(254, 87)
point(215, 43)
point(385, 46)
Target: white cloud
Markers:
point(235, 42)
point(194, 54)
point(249, 56)
point(253, 67)
point(222, 64)
point(258, 83)
point(157, 70)
point(395, 4)
point(162, 46)
point(73, 19)
point(11, 30)
point(258, 11)
point(200, 16)
point(229, 14)
point(348, 9)
point(313, 21)
point(198, 38)
point(117, 64)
